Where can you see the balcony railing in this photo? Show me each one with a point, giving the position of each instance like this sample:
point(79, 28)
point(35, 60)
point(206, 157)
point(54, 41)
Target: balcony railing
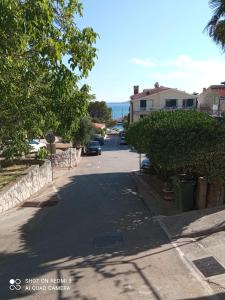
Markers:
point(165, 108)
point(145, 109)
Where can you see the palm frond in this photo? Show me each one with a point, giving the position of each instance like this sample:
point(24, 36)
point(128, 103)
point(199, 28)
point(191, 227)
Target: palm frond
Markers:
point(216, 25)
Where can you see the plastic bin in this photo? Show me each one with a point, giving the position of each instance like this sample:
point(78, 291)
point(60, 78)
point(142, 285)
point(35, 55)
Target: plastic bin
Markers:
point(184, 192)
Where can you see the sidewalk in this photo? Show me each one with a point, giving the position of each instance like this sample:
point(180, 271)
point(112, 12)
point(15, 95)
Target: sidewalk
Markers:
point(199, 236)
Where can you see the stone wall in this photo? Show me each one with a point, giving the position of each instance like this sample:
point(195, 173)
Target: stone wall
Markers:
point(25, 186)
point(67, 159)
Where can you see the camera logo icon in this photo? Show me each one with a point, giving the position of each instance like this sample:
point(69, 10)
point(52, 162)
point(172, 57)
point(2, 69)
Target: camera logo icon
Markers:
point(15, 284)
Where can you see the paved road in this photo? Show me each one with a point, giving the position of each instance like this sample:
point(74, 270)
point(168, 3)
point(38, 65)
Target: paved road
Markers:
point(100, 240)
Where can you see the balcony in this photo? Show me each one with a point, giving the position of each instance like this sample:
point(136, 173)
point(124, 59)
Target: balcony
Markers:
point(180, 108)
point(145, 109)
point(165, 108)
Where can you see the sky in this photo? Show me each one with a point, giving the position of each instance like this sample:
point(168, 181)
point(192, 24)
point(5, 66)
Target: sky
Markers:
point(143, 42)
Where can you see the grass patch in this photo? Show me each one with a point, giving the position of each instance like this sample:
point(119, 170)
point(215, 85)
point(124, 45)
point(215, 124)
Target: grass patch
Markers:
point(11, 173)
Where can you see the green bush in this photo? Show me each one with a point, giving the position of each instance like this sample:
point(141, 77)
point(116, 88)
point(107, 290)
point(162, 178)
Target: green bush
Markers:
point(184, 141)
point(42, 154)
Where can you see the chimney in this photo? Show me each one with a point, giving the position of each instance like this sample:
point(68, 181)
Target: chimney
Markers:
point(156, 85)
point(204, 89)
point(136, 89)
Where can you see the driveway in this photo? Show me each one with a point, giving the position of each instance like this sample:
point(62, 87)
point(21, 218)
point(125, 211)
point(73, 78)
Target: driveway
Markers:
point(99, 242)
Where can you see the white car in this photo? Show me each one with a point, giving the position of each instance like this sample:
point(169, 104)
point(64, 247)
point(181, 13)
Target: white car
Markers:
point(35, 145)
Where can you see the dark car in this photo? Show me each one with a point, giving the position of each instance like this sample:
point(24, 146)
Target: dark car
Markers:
point(122, 133)
point(123, 140)
point(145, 164)
point(99, 139)
point(93, 147)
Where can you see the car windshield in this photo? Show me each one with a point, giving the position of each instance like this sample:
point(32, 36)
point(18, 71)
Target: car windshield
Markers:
point(94, 143)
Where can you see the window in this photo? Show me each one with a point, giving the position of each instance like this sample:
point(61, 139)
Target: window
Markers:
point(142, 105)
point(188, 102)
point(171, 103)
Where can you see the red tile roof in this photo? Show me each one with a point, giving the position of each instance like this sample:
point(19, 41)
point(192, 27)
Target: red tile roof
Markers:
point(147, 92)
point(99, 125)
point(218, 89)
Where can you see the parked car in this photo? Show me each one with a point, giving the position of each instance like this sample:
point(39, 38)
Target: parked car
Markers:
point(122, 133)
point(93, 147)
point(145, 164)
point(123, 140)
point(99, 139)
point(35, 145)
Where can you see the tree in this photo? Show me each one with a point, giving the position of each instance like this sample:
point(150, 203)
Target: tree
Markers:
point(100, 112)
point(136, 135)
point(216, 25)
point(43, 54)
point(84, 132)
point(126, 121)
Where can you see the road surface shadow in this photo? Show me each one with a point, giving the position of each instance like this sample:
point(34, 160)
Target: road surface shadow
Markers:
point(61, 238)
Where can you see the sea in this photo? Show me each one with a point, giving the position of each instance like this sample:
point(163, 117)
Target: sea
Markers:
point(119, 109)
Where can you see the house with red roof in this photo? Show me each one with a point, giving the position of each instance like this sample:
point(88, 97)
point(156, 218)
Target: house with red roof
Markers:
point(212, 99)
point(159, 98)
point(99, 125)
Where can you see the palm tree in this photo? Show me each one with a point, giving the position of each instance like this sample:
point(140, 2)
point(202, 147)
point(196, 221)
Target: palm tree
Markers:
point(216, 26)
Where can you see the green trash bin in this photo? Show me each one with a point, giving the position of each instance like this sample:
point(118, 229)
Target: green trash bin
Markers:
point(184, 192)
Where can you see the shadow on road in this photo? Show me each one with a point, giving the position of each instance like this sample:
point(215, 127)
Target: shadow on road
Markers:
point(61, 238)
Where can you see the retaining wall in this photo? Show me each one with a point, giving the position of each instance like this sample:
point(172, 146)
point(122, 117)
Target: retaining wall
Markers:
point(67, 159)
point(25, 186)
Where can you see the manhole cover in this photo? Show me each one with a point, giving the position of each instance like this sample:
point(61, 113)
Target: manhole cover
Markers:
point(108, 241)
point(209, 266)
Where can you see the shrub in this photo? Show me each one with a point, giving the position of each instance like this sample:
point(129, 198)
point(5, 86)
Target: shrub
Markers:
point(42, 154)
point(184, 141)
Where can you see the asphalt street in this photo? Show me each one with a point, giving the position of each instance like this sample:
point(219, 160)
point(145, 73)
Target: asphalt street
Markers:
point(98, 242)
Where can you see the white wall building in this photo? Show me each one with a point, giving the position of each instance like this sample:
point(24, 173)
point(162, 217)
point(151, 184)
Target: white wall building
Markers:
point(159, 98)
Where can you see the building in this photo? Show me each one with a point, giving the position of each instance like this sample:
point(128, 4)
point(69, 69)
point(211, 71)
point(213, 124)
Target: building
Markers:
point(99, 125)
point(212, 99)
point(158, 98)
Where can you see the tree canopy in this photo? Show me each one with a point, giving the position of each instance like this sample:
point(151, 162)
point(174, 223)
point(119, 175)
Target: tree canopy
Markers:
point(43, 54)
point(100, 112)
point(84, 132)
